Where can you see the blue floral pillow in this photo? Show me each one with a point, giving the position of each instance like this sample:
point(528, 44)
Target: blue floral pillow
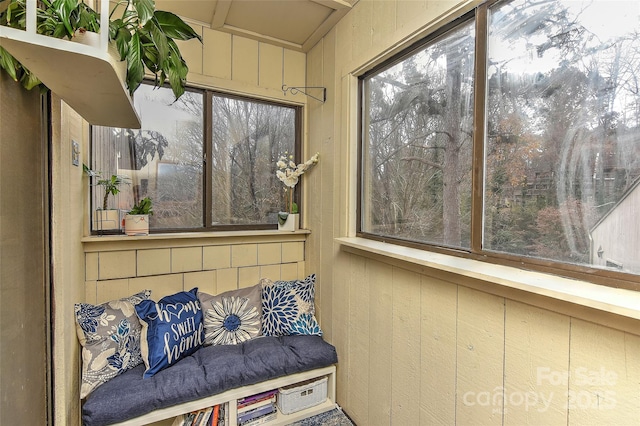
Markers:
point(110, 338)
point(233, 316)
point(171, 329)
point(288, 307)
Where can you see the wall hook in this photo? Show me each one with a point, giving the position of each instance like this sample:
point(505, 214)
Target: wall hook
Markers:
point(295, 90)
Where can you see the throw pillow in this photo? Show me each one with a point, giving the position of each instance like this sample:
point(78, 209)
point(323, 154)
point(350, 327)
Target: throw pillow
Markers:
point(110, 338)
point(232, 317)
point(288, 307)
point(171, 329)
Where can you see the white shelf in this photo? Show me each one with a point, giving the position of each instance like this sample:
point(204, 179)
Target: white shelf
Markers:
point(90, 79)
point(231, 397)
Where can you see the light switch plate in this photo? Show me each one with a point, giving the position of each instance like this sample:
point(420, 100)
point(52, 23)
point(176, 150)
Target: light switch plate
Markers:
point(75, 153)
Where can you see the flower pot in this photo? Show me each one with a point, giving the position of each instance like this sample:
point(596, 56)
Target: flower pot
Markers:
point(106, 220)
point(292, 222)
point(136, 224)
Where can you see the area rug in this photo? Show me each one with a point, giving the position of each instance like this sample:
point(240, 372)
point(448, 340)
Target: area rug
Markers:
point(333, 417)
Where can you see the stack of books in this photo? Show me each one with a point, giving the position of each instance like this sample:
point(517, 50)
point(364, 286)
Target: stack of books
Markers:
point(211, 416)
point(257, 409)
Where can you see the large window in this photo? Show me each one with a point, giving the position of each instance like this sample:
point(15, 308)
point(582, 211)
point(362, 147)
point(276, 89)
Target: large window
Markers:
point(554, 180)
point(417, 143)
point(207, 161)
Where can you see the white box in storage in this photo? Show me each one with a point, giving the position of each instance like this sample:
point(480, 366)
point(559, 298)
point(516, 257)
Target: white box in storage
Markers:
point(302, 395)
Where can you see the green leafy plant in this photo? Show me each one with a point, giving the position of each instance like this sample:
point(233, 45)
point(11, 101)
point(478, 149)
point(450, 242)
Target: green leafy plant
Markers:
point(111, 184)
point(143, 207)
point(144, 37)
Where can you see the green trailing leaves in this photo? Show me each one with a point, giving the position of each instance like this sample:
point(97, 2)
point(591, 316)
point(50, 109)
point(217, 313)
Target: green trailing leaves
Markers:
point(145, 10)
point(159, 40)
point(177, 70)
point(135, 67)
point(144, 37)
point(122, 39)
point(174, 27)
point(143, 207)
point(9, 63)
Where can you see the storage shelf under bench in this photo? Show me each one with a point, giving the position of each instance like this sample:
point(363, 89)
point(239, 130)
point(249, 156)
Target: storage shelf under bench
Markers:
point(231, 396)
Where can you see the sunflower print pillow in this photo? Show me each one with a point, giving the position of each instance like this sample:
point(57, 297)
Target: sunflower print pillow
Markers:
point(232, 317)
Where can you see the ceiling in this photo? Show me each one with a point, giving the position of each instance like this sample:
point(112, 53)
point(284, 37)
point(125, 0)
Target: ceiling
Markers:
point(294, 24)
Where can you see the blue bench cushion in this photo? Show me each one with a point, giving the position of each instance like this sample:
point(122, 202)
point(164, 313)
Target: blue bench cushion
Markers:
point(209, 371)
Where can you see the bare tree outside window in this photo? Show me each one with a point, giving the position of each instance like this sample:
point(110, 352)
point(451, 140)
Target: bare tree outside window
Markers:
point(248, 138)
point(166, 159)
point(417, 144)
point(563, 130)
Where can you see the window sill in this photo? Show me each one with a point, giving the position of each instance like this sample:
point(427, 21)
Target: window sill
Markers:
point(185, 239)
point(504, 280)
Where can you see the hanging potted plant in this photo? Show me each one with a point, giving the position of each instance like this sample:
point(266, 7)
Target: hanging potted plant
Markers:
point(144, 38)
point(136, 222)
point(289, 174)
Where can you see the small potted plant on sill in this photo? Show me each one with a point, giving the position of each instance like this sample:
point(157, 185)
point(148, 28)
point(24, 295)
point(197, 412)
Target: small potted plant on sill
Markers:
point(289, 174)
point(104, 218)
point(136, 222)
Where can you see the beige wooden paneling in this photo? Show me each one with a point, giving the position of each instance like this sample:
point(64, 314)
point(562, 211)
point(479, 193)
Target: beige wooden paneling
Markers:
point(216, 60)
point(270, 65)
point(380, 356)
point(91, 266)
point(248, 276)
point(204, 280)
point(604, 378)
point(244, 255)
point(339, 295)
point(186, 259)
point(68, 192)
point(383, 21)
point(269, 253)
point(216, 257)
point(160, 286)
point(289, 271)
point(405, 348)
point(116, 264)
point(294, 68)
point(362, 27)
point(356, 356)
point(270, 271)
point(439, 302)
point(244, 60)
point(344, 40)
point(112, 290)
point(192, 50)
point(536, 352)
point(313, 198)
point(480, 353)
point(227, 279)
point(153, 262)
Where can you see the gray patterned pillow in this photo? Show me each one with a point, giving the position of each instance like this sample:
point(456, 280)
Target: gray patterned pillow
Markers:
point(233, 316)
point(110, 339)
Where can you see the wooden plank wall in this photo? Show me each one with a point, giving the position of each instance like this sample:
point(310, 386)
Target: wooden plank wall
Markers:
point(417, 348)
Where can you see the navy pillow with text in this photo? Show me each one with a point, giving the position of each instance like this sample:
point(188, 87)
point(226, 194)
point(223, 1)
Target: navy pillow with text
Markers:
point(171, 329)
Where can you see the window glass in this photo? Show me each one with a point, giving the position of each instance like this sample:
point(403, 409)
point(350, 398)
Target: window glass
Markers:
point(247, 139)
point(417, 143)
point(166, 160)
point(562, 137)
point(163, 160)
